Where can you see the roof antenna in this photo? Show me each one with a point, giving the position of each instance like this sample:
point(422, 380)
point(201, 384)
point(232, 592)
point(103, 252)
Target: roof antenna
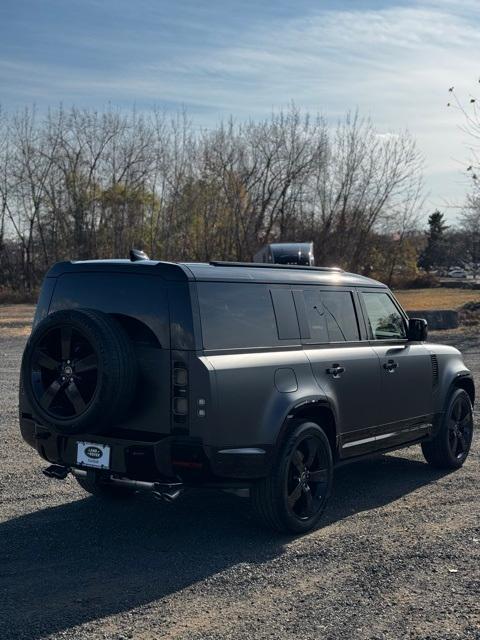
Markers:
point(138, 254)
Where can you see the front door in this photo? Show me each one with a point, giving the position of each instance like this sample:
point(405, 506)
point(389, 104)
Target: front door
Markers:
point(406, 398)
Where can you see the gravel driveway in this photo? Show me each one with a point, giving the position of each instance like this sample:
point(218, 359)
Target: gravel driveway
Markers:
point(398, 555)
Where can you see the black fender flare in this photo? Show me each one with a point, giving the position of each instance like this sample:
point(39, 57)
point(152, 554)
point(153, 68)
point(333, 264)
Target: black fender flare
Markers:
point(313, 403)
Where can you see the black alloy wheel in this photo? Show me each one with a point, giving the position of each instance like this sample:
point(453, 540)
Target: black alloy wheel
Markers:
point(64, 372)
point(460, 426)
point(308, 477)
point(450, 446)
point(79, 372)
point(293, 496)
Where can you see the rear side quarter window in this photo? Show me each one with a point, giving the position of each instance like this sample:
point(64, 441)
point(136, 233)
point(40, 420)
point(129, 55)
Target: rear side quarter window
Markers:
point(236, 315)
point(285, 314)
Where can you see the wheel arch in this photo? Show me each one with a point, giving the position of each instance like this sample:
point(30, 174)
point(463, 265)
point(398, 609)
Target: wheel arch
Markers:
point(319, 411)
point(464, 382)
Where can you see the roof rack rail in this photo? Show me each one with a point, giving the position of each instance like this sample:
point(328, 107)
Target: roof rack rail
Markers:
point(268, 265)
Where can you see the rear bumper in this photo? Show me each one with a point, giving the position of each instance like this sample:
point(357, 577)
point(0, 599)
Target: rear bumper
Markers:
point(136, 459)
point(244, 462)
point(162, 459)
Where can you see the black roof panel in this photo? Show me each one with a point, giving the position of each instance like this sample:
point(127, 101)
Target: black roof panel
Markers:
point(290, 274)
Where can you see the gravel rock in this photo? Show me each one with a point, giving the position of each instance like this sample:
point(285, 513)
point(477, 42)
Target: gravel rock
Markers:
point(380, 566)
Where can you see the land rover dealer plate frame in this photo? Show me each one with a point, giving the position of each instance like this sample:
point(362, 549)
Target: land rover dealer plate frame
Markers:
point(92, 454)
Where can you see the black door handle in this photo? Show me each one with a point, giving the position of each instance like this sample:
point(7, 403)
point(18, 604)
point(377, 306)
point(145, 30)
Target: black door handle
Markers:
point(335, 370)
point(390, 366)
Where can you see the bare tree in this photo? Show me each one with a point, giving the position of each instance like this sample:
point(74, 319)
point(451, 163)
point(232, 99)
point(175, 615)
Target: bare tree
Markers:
point(470, 226)
point(82, 184)
point(365, 179)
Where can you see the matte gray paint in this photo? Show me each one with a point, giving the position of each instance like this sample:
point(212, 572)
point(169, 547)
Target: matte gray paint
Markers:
point(406, 390)
point(286, 380)
point(450, 367)
point(248, 394)
point(350, 394)
point(249, 408)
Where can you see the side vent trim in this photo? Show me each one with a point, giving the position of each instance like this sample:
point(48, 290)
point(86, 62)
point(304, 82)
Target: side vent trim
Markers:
point(435, 371)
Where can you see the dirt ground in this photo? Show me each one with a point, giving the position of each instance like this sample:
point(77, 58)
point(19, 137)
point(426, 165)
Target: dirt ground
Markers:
point(15, 320)
point(397, 555)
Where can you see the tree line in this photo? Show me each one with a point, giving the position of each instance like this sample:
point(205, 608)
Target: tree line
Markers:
point(77, 184)
point(448, 247)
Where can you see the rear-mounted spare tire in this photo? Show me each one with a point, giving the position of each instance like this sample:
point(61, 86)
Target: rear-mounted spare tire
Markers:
point(79, 371)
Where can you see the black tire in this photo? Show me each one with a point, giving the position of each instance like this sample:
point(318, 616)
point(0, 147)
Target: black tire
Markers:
point(449, 448)
point(79, 371)
point(104, 490)
point(290, 499)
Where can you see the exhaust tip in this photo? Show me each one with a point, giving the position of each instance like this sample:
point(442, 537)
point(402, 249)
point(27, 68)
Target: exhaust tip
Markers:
point(56, 471)
point(167, 492)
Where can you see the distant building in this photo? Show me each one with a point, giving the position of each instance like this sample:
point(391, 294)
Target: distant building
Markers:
point(286, 253)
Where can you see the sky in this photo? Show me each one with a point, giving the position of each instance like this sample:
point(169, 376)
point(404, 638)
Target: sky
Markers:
point(393, 60)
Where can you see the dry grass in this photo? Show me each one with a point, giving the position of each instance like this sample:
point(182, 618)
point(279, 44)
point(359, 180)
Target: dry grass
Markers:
point(9, 297)
point(423, 299)
point(16, 319)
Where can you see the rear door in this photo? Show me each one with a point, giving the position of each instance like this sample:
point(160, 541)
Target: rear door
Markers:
point(251, 339)
point(140, 303)
point(406, 397)
point(344, 364)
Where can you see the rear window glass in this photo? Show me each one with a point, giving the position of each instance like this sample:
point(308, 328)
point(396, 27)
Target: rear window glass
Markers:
point(331, 315)
point(236, 315)
point(129, 295)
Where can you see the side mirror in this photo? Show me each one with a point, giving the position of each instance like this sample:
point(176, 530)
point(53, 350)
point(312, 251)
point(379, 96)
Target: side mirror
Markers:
point(417, 329)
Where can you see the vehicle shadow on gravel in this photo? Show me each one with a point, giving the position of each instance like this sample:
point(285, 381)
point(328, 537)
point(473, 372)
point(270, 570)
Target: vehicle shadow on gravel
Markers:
point(88, 559)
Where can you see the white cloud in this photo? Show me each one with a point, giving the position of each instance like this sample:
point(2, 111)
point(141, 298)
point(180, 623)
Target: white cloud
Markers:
point(394, 64)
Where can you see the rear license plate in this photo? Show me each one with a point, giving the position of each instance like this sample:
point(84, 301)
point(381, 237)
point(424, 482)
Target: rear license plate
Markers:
point(91, 454)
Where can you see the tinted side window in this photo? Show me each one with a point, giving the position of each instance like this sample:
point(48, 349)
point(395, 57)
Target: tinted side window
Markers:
point(316, 315)
point(331, 315)
point(384, 318)
point(285, 314)
point(236, 315)
point(340, 316)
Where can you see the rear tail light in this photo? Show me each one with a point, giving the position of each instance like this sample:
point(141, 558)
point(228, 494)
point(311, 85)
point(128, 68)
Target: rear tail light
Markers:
point(180, 377)
point(180, 390)
point(180, 406)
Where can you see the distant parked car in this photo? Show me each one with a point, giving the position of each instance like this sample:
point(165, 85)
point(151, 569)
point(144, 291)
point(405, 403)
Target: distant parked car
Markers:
point(457, 273)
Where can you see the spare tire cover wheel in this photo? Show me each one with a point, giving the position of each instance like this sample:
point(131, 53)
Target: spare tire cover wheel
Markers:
point(78, 371)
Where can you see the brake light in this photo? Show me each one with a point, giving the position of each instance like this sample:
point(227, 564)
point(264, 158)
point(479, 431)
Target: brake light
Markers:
point(180, 406)
point(180, 376)
point(180, 389)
